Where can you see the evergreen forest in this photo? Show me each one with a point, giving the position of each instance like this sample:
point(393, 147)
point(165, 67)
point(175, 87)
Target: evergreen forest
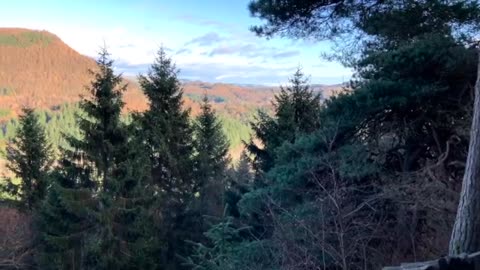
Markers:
point(366, 178)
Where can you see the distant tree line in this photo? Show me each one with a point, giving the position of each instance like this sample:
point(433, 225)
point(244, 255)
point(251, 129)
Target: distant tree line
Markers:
point(60, 120)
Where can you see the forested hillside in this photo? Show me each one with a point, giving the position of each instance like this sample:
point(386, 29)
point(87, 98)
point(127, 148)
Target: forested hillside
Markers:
point(60, 120)
point(374, 175)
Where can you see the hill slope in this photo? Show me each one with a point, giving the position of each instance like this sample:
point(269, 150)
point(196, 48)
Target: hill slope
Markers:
point(39, 70)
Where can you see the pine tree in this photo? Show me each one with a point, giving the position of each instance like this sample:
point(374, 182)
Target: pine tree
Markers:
point(211, 146)
point(119, 167)
point(297, 107)
point(167, 129)
point(211, 160)
point(413, 60)
point(104, 136)
point(240, 181)
point(29, 158)
point(465, 231)
point(168, 134)
point(243, 171)
point(105, 174)
point(296, 112)
point(65, 219)
point(125, 237)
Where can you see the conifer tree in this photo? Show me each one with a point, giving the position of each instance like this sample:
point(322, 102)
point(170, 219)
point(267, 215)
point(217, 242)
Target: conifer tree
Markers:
point(104, 136)
point(240, 181)
point(211, 159)
point(65, 219)
point(119, 169)
point(243, 171)
point(296, 112)
point(29, 158)
point(211, 145)
point(108, 186)
point(167, 129)
point(168, 135)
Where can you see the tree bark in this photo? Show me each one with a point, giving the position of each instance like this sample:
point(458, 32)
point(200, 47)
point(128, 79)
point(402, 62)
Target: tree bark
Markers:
point(465, 236)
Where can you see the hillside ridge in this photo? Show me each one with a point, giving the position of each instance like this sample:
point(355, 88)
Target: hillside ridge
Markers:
point(41, 71)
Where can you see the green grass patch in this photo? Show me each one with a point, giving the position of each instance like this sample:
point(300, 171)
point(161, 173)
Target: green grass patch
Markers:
point(5, 112)
point(25, 39)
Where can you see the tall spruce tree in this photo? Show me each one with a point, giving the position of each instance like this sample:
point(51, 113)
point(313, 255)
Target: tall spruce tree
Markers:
point(167, 128)
point(119, 170)
point(111, 167)
point(29, 158)
point(168, 137)
point(104, 136)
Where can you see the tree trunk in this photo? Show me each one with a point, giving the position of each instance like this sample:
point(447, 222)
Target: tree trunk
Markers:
point(466, 230)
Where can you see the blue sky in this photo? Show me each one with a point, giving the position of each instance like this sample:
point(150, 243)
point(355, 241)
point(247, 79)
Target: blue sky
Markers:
point(209, 40)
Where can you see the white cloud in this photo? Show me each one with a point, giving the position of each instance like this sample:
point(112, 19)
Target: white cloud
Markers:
point(242, 58)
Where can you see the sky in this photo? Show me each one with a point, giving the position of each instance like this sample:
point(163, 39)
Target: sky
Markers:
point(209, 40)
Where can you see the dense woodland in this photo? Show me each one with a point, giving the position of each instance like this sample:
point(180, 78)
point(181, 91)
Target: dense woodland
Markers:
point(367, 178)
point(61, 120)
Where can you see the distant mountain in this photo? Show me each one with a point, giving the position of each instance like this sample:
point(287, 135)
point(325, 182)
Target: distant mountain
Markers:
point(40, 70)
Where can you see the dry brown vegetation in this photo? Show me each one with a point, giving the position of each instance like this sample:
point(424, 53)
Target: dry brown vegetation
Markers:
point(16, 239)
